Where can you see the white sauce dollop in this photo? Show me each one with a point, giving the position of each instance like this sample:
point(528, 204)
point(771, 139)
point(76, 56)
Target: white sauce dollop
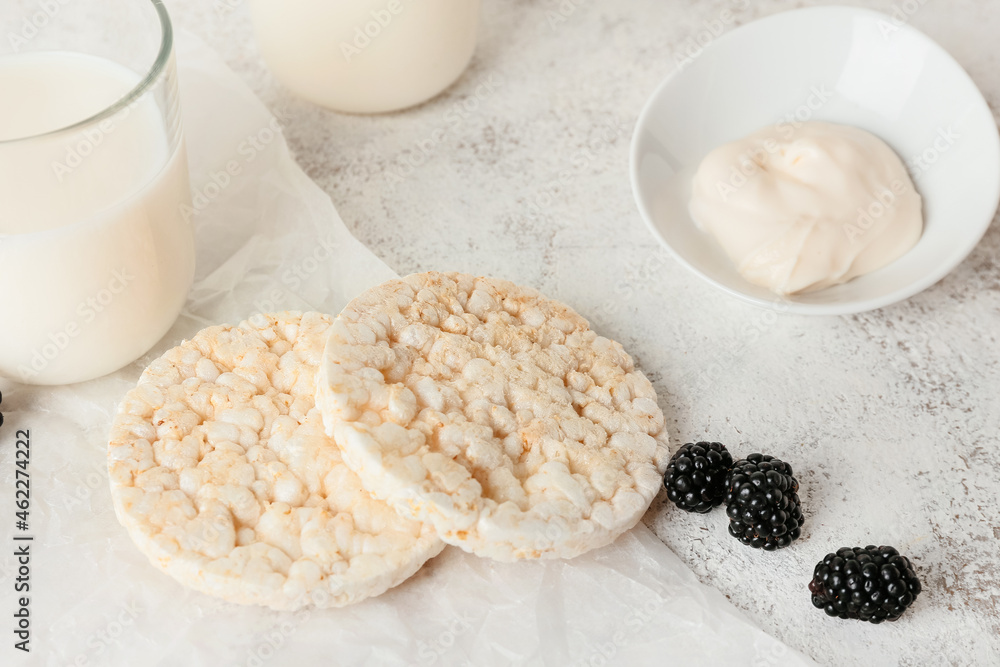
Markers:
point(800, 209)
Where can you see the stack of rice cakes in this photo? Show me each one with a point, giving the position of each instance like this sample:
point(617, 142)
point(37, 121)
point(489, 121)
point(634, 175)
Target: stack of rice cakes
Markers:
point(296, 460)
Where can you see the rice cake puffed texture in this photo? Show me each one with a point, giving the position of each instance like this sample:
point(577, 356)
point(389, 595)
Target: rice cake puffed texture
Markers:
point(494, 414)
point(223, 476)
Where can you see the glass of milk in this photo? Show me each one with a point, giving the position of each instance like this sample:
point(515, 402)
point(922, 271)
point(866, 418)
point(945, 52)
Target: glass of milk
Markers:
point(96, 256)
point(366, 56)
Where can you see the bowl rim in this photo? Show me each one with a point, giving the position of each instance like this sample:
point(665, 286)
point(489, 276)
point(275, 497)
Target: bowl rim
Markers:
point(780, 303)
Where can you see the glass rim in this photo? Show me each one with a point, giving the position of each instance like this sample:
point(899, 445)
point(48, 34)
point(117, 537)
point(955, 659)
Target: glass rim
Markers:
point(155, 72)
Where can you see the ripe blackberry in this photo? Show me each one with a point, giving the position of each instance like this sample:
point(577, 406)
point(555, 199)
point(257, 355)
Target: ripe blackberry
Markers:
point(762, 503)
point(696, 476)
point(873, 584)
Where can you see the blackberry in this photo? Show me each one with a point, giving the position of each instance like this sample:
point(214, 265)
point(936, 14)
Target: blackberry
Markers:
point(696, 476)
point(762, 503)
point(873, 584)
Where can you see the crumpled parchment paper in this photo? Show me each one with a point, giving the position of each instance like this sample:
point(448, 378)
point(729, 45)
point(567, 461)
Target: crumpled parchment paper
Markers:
point(269, 239)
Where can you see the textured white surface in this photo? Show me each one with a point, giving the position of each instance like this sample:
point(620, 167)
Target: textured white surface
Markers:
point(889, 418)
point(261, 236)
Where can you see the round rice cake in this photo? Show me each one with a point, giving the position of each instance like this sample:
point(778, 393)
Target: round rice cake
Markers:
point(494, 414)
point(224, 477)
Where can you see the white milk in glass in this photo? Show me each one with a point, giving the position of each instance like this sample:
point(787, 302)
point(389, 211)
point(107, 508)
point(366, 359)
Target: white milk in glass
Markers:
point(96, 258)
point(366, 56)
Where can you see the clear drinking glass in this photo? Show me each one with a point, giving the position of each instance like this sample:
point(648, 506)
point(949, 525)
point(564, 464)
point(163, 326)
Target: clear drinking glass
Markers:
point(96, 255)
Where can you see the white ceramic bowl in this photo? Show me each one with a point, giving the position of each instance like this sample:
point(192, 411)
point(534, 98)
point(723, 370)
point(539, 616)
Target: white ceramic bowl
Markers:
point(838, 64)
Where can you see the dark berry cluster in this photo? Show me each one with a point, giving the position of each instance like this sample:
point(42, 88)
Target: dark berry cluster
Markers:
point(696, 476)
point(873, 584)
point(762, 503)
point(760, 492)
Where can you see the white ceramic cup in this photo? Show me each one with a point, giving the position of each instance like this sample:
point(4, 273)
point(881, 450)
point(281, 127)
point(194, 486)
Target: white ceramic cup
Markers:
point(366, 56)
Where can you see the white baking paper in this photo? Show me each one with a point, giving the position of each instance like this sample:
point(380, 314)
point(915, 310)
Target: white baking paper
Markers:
point(270, 239)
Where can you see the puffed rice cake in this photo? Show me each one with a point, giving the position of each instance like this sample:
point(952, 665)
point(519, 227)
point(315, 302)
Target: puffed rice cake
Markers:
point(223, 476)
point(494, 414)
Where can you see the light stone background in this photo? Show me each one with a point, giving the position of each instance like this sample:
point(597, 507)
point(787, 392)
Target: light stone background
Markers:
point(889, 418)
